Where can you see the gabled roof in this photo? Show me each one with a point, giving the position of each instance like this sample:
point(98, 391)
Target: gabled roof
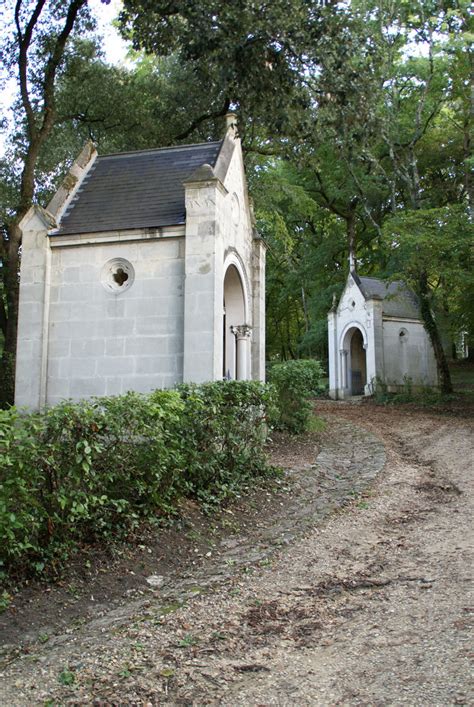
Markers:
point(136, 189)
point(398, 299)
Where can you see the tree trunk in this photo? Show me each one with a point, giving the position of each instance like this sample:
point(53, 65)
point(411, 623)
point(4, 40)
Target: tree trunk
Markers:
point(470, 349)
point(468, 186)
point(429, 321)
point(11, 278)
point(305, 310)
point(12, 290)
point(351, 238)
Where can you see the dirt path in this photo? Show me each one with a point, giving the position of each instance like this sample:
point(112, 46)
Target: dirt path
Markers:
point(371, 606)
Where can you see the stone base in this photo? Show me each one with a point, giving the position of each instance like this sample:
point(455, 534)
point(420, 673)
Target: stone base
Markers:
point(345, 394)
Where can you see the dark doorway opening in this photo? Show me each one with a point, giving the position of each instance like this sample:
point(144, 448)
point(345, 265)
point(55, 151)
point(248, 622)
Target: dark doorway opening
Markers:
point(358, 364)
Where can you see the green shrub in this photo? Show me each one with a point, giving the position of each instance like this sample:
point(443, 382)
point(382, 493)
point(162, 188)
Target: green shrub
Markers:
point(295, 383)
point(224, 430)
point(85, 470)
point(91, 470)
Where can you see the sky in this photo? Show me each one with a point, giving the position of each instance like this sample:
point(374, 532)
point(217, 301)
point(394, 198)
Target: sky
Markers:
point(114, 47)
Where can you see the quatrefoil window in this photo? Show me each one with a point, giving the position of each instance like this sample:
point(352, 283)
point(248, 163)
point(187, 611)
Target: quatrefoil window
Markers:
point(117, 275)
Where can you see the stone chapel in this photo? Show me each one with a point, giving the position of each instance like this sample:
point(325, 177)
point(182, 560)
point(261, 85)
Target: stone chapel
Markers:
point(145, 270)
point(376, 335)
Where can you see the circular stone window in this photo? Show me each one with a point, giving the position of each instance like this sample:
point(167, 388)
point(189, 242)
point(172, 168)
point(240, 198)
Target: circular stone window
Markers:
point(403, 336)
point(117, 275)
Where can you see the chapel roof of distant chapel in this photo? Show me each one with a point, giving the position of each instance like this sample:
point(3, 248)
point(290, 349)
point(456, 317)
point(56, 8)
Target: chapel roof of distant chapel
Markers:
point(398, 299)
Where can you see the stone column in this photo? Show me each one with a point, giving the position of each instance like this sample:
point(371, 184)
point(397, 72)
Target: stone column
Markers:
point(368, 386)
point(344, 382)
point(334, 377)
point(258, 303)
point(242, 333)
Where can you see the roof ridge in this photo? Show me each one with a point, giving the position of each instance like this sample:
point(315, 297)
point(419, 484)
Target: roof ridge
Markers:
point(160, 149)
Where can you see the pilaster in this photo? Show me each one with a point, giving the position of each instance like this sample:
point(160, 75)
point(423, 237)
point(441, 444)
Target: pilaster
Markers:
point(203, 287)
point(333, 354)
point(33, 313)
point(374, 351)
point(258, 294)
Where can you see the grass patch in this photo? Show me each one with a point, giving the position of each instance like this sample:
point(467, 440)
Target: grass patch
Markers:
point(316, 424)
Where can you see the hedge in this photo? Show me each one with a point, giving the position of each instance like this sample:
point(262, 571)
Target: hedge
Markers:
point(295, 383)
point(93, 470)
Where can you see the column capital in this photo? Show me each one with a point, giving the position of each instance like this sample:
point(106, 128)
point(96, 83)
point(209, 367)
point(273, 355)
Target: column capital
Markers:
point(242, 331)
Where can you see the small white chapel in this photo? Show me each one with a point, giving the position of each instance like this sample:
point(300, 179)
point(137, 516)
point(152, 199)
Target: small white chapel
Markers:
point(376, 336)
point(145, 270)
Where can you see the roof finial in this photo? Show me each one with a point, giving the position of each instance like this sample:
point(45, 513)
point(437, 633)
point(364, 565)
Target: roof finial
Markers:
point(231, 123)
point(352, 262)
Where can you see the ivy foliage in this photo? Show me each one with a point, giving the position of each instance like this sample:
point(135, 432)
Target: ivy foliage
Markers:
point(93, 470)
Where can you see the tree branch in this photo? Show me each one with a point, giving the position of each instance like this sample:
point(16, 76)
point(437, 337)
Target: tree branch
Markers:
point(329, 202)
point(261, 151)
point(53, 64)
point(206, 116)
point(24, 41)
point(362, 196)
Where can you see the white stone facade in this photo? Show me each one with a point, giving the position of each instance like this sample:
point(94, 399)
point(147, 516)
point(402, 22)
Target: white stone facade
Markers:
point(106, 312)
point(369, 345)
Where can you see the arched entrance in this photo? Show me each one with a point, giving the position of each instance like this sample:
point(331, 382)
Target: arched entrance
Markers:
point(236, 332)
point(358, 377)
point(354, 362)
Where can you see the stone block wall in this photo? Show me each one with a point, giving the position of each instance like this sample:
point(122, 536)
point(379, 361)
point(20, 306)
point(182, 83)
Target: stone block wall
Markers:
point(408, 354)
point(103, 342)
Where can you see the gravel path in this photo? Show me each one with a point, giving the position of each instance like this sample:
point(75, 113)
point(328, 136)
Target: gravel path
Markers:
point(370, 606)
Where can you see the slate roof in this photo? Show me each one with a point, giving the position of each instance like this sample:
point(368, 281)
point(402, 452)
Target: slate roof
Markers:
point(398, 299)
point(136, 189)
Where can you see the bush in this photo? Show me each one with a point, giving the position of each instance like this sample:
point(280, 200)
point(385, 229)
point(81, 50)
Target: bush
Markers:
point(87, 470)
point(224, 426)
point(91, 470)
point(295, 383)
